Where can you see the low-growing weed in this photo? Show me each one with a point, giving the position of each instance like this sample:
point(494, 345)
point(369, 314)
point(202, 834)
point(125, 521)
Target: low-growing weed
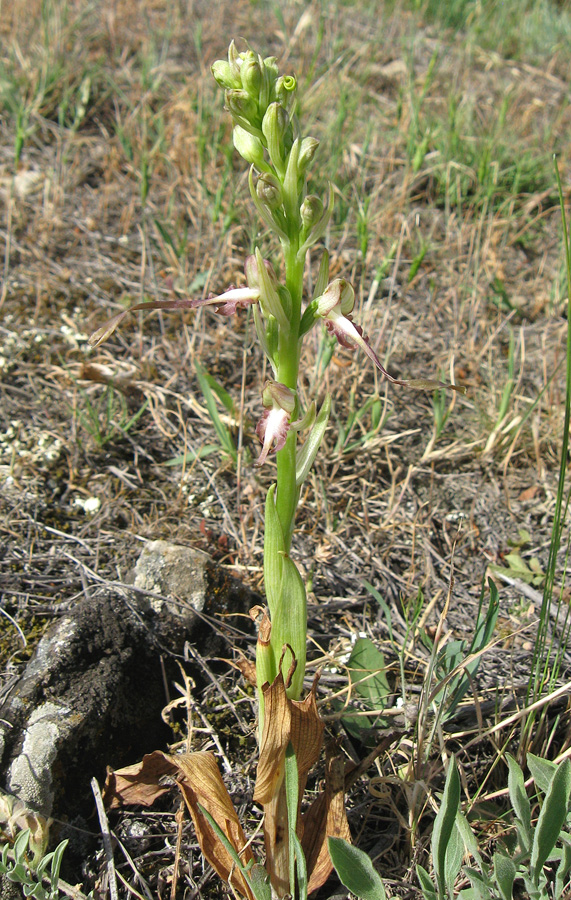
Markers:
point(105, 417)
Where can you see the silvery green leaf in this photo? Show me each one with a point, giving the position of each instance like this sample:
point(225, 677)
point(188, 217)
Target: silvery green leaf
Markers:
point(551, 818)
point(520, 802)
point(444, 824)
point(355, 870)
point(504, 873)
point(563, 868)
point(542, 771)
point(454, 857)
point(426, 885)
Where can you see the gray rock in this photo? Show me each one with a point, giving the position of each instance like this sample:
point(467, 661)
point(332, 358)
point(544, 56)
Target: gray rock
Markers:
point(92, 694)
point(179, 575)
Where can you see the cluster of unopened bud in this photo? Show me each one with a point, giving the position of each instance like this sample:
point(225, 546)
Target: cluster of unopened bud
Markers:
point(262, 104)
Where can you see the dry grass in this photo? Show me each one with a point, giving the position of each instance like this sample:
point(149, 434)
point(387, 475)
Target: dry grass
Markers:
point(125, 189)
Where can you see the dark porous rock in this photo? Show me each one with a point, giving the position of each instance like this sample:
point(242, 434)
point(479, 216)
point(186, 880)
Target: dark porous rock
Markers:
point(92, 694)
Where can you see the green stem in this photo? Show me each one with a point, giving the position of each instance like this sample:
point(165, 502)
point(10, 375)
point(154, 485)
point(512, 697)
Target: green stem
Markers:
point(288, 370)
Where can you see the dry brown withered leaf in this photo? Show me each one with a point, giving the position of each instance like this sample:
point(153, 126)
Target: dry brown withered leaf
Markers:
point(284, 721)
point(139, 784)
point(247, 667)
point(326, 817)
point(201, 784)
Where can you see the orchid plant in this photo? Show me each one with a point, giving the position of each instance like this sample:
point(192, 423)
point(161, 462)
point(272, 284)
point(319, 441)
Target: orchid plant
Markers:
point(267, 135)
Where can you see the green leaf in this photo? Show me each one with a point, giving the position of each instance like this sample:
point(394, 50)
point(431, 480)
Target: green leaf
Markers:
point(444, 824)
point(470, 841)
point(222, 394)
point(563, 868)
point(366, 669)
point(56, 863)
point(542, 771)
point(292, 796)
point(520, 802)
point(21, 845)
point(301, 868)
point(260, 893)
point(260, 881)
point(454, 857)
point(355, 870)
point(306, 455)
point(504, 873)
point(551, 818)
point(426, 885)
point(289, 624)
point(367, 672)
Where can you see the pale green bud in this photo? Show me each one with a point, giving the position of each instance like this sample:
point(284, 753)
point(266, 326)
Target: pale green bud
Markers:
point(271, 67)
point(306, 153)
point(223, 75)
point(248, 146)
point(242, 105)
point(266, 86)
point(251, 73)
point(269, 190)
point(274, 125)
point(311, 211)
point(235, 63)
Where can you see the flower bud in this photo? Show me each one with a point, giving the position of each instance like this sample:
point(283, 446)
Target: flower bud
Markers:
point(274, 126)
point(235, 63)
point(271, 67)
point(223, 75)
point(286, 89)
point(241, 105)
point(248, 146)
point(311, 211)
point(251, 269)
point(277, 394)
point(251, 74)
point(306, 153)
point(269, 190)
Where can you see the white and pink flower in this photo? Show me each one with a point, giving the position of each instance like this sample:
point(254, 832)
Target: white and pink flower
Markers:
point(272, 429)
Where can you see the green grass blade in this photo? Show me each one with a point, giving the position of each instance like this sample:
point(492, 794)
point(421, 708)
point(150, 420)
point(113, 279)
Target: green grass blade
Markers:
point(245, 870)
point(224, 436)
point(388, 619)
